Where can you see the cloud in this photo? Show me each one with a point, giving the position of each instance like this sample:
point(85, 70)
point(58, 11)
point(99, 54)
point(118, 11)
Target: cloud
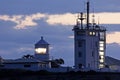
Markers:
point(69, 18)
point(24, 21)
point(63, 19)
point(113, 37)
point(108, 17)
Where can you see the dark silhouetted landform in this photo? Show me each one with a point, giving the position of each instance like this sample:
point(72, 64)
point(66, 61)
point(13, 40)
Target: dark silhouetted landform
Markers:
point(15, 74)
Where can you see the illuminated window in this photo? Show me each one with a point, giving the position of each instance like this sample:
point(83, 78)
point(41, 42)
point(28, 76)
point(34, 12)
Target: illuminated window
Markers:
point(93, 33)
point(101, 60)
point(101, 66)
point(101, 53)
point(101, 48)
point(41, 50)
point(90, 33)
point(101, 42)
point(101, 45)
point(102, 57)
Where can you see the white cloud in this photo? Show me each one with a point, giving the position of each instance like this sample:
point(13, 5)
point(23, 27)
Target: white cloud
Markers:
point(63, 19)
point(23, 21)
point(108, 17)
point(113, 37)
point(69, 18)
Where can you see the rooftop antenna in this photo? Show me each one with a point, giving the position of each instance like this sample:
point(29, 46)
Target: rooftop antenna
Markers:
point(81, 19)
point(88, 14)
point(77, 20)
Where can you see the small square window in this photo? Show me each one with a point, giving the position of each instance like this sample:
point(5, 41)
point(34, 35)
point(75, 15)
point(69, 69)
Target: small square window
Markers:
point(80, 54)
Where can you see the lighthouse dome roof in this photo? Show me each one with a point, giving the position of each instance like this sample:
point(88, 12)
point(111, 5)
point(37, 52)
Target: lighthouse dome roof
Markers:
point(42, 42)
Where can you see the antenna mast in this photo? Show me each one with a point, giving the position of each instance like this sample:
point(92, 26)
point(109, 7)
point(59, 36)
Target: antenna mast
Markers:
point(88, 14)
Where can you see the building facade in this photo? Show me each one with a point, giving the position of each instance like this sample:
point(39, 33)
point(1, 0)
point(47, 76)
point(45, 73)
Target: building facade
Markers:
point(89, 44)
point(38, 61)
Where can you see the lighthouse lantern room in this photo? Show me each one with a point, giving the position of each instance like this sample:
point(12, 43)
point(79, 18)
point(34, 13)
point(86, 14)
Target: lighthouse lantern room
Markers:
point(42, 50)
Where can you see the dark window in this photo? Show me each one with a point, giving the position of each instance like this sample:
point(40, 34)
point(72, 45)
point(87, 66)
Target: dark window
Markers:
point(27, 65)
point(80, 54)
point(92, 53)
point(88, 64)
point(79, 43)
point(81, 33)
point(96, 44)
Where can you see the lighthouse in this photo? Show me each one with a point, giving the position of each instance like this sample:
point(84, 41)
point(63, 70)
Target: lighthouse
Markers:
point(42, 50)
point(89, 44)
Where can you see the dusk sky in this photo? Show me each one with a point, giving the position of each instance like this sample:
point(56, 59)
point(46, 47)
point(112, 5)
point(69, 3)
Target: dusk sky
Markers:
point(23, 22)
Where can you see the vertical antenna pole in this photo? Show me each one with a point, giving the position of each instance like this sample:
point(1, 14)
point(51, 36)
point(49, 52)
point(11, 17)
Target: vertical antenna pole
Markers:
point(88, 15)
point(81, 18)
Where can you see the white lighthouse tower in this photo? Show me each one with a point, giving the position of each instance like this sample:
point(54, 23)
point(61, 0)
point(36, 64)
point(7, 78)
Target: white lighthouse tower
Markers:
point(89, 44)
point(42, 50)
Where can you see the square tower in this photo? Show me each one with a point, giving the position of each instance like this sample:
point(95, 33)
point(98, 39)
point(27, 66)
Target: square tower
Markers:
point(89, 44)
point(89, 47)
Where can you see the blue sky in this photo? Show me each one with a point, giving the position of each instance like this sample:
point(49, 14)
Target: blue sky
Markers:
point(23, 22)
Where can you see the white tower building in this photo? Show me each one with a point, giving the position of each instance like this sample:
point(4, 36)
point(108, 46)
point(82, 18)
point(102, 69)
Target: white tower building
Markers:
point(89, 41)
point(42, 50)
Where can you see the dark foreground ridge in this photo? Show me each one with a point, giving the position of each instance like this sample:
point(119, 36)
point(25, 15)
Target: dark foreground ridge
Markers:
point(44, 75)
